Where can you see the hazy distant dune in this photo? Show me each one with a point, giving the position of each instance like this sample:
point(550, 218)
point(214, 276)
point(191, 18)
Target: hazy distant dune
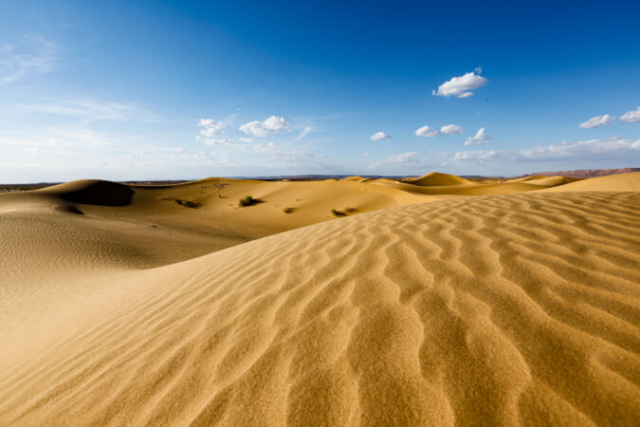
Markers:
point(587, 173)
point(437, 179)
point(621, 182)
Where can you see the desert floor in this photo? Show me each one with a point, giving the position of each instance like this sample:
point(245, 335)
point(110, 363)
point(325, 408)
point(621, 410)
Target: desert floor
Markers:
point(428, 301)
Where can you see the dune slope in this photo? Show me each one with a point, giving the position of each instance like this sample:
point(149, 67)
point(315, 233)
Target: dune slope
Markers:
point(437, 179)
point(620, 182)
point(505, 310)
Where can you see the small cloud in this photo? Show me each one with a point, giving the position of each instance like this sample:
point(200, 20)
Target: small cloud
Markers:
point(631, 116)
point(38, 56)
point(379, 136)
point(604, 120)
point(450, 129)
point(462, 86)
point(305, 132)
point(365, 154)
point(478, 70)
point(273, 124)
point(427, 132)
point(211, 127)
point(479, 138)
point(246, 140)
point(174, 149)
point(594, 148)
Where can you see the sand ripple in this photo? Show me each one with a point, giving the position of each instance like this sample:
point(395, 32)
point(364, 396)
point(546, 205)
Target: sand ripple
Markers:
point(518, 309)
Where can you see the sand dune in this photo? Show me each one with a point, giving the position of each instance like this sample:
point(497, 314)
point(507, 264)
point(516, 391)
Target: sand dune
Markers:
point(588, 173)
point(621, 182)
point(416, 309)
point(546, 181)
point(437, 179)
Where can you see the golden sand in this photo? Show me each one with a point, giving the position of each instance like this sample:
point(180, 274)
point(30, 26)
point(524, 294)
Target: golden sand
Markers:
point(479, 305)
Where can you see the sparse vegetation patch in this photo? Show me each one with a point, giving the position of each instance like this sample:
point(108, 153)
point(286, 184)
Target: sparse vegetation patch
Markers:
point(188, 203)
point(249, 201)
point(288, 210)
point(344, 212)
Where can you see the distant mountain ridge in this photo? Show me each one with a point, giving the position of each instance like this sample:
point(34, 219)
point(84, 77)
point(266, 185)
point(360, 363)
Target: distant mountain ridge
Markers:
point(585, 173)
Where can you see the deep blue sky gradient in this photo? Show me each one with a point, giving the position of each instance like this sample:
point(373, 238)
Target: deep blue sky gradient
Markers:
point(346, 70)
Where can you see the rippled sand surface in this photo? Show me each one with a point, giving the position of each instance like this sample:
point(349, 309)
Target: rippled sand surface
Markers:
point(508, 309)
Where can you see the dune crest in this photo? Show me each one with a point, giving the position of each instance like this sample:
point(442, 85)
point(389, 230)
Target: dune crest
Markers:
point(92, 192)
point(619, 182)
point(437, 179)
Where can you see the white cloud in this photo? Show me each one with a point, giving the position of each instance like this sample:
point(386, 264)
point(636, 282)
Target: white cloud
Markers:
point(604, 120)
point(404, 160)
point(305, 132)
point(590, 150)
point(631, 116)
point(273, 124)
point(37, 56)
point(461, 86)
point(211, 127)
point(427, 132)
point(450, 129)
point(378, 136)
point(479, 138)
point(593, 148)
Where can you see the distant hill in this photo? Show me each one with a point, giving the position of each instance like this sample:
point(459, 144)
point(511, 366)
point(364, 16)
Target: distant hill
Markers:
point(585, 173)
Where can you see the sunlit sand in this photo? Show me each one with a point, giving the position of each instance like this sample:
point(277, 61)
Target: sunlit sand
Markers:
point(428, 301)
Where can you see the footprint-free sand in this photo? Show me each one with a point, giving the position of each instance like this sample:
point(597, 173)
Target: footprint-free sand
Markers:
point(433, 301)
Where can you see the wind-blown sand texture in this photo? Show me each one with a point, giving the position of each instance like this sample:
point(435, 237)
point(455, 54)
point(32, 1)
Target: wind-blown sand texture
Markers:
point(120, 306)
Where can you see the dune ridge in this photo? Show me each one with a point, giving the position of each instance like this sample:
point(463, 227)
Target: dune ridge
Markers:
point(588, 173)
point(516, 309)
point(437, 179)
point(620, 182)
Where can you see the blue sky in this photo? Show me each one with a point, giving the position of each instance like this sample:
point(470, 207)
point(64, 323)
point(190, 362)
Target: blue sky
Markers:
point(185, 89)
